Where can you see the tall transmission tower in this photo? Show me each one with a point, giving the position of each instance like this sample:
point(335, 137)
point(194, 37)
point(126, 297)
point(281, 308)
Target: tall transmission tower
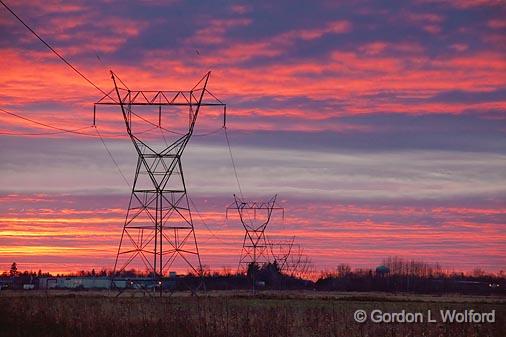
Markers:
point(158, 227)
point(254, 216)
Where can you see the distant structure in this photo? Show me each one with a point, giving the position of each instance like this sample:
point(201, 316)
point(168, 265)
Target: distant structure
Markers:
point(254, 216)
point(298, 263)
point(158, 227)
point(382, 270)
point(79, 283)
point(280, 250)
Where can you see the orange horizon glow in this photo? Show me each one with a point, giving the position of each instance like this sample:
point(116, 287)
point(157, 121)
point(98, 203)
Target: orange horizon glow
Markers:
point(67, 234)
point(381, 128)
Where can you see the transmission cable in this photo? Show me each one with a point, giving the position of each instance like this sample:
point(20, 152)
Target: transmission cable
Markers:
point(5, 133)
point(208, 133)
point(203, 221)
point(112, 157)
point(77, 70)
point(233, 161)
point(61, 130)
point(59, 55)
point(105, 94)
point(52, 49)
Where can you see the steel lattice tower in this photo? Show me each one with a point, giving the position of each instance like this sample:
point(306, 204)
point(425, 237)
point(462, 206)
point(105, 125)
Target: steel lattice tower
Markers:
point(254, 216)
point(158, 226)
point(280, 251)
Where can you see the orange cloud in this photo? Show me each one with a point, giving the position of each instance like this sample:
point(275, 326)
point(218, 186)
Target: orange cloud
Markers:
point(353, 80)
point(80, 238)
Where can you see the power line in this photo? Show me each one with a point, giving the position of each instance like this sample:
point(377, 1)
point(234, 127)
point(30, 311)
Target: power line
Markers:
point(79, 72)
point(202, 220)
point(61, 130)
point(59, 55)
point(208, 133)
point(58, 129)
point(233, 162)
point(153, 124)
point(52, 49)
point(112, 157)
point(106, 94)
point(44, 133)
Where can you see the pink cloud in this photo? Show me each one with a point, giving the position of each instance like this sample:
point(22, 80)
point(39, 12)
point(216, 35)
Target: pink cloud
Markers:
point(459, 47)
point(214, 32)
point(364, 74)
point(464, 3)
point(497, 23)
point(373, 48)
point(240, 8)
point(334, 27)
point(429, 22)
point(233, 52)
point(51, 7)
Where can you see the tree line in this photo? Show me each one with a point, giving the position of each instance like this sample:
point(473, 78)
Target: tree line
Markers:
point(394, 275)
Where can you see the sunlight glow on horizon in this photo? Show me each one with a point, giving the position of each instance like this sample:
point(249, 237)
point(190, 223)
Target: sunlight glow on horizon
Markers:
point(378, 143)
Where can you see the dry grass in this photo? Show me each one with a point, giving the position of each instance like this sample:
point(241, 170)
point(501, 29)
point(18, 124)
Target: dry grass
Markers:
point(235, 314)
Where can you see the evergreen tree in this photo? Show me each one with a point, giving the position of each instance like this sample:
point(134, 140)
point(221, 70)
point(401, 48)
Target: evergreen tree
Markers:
point(14, 269)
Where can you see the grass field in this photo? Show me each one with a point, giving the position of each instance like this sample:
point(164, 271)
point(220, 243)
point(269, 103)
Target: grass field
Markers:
point(61, 313)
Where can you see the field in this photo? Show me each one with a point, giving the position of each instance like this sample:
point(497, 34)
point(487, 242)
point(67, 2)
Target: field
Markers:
point(62, 313)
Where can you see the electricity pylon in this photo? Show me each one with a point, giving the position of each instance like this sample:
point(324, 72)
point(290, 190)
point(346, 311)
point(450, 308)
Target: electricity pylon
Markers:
point(280, 251)
point(254, 216)
point(298, 264)
point(158, 227)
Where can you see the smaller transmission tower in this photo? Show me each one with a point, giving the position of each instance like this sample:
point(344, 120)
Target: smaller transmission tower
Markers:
point(280, 251)
point(254, 216)
point(298, 264)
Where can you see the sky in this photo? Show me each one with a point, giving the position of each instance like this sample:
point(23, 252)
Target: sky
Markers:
point(381, 126)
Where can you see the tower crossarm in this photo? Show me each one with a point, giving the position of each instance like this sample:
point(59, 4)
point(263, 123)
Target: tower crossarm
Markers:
point(194, 98)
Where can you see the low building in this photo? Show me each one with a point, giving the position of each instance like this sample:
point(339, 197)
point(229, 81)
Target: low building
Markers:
point(6, 282)
point(74, 283)
point(78, 282)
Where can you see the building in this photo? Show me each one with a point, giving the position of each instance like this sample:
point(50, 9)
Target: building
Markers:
point(75, 283)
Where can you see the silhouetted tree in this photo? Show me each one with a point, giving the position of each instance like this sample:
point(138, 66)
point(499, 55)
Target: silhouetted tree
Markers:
point(478, 272)
point(14, 269)
point(270, 273)
point(343, 270)
point(253, 270)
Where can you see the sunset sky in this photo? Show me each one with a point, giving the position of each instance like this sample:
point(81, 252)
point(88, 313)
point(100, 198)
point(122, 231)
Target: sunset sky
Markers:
point(381, 126)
